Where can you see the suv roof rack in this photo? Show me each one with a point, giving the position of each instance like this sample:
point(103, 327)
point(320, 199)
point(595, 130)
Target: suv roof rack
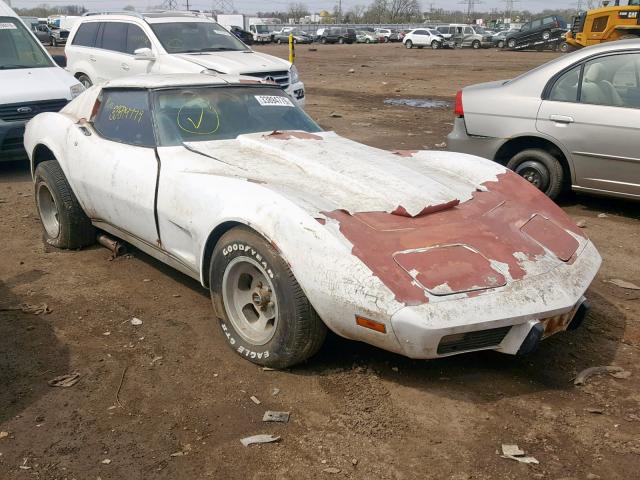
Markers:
point(174, 13)
point(113, 12)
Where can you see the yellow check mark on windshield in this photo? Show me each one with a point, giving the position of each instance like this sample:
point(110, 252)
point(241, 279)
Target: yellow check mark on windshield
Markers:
point(197, 126)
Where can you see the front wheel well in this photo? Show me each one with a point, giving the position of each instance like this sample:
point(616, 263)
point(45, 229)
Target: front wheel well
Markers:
point(516, 145)
point(41, 154)
point(210, 245)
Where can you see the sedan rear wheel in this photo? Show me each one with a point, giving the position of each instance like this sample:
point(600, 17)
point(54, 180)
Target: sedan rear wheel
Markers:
point(64, 222)
point(367, 41)
point(511, 43)
point(501, 44)
point(263, 313)
point(539, 168)
point(476, 44)
point(341, 40)
point(408, 44)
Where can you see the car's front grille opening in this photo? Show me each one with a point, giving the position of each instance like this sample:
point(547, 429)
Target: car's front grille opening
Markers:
point(280, 77)
point(26, 110)
point(460, 342)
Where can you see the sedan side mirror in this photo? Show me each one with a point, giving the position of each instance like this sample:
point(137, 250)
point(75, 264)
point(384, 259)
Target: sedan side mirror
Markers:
point(143, 54)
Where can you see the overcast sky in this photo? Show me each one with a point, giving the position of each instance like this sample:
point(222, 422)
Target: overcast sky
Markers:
point(252, 6)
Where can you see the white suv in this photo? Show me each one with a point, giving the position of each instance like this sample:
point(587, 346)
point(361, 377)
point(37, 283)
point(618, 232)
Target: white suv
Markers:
point(107, 46)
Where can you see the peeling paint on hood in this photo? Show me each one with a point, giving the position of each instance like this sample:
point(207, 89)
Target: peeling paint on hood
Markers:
point(333, 173)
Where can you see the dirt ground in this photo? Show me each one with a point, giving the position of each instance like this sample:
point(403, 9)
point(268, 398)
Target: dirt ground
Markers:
point(169, 400)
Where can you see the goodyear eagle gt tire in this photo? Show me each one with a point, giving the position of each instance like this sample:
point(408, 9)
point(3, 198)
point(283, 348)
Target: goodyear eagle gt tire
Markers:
point(263, 313)
point(64, 222)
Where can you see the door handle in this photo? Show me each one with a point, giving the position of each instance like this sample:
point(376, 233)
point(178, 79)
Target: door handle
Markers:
point(92, 58)
point(125, 66)
point(561, 118)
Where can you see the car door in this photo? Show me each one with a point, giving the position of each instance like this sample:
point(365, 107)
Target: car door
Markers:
point(116, 167)
point(593, 109)
point(42, 32)
point(467, 36)
point(111, 60)
point(136, 39)
point(417, 37)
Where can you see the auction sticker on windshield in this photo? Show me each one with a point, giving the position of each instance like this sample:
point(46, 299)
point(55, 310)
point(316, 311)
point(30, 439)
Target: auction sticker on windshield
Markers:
point(273, 101)
point(8, 26)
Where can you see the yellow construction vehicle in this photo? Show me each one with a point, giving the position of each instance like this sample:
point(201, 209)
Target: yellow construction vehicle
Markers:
point(610, 22)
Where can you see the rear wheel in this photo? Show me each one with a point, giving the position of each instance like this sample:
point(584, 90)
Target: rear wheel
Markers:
point(367, 41)
point(476, 44)
point(54, 42)
point(279, 41)
point(539, 168)
point(263, 313)
point(501, 44)
point(323, 41)
point(435, 45)
point(64, 222)
point(511, 43)
point(408, 44)
point(341, 40)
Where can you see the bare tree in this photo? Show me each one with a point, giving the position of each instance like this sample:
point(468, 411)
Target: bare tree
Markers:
point(298, 10)
point(403, 10)
point(356, 13)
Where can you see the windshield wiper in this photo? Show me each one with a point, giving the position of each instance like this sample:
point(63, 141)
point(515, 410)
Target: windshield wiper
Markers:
point(218, 49)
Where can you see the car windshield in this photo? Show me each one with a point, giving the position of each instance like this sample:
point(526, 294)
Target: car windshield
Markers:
point(195, 37)
point(18, 49)
point(199, 114)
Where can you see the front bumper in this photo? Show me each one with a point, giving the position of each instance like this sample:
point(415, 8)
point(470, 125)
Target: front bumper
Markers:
point(507, 315)
point(460, 141)
point(11, 141)
point(297, 91)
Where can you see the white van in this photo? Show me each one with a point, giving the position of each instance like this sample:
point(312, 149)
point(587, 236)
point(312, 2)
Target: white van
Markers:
point(31, 82)
point(108, 46)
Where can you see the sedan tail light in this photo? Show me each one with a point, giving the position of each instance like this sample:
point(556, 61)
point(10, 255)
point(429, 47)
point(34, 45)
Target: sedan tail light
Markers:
point(458, 110)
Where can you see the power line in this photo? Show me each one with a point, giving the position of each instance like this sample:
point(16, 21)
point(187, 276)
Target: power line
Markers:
point(470, 6)
point(508, 7)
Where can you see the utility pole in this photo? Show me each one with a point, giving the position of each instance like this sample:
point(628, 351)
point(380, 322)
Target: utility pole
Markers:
point(339, 16)
point(470, 7)
point(508, 8)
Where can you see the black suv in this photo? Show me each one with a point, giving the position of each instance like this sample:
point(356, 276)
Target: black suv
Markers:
point(338, 35)
point(541, 29)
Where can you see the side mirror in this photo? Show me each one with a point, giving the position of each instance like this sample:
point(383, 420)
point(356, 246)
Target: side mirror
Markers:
point(60, 60)
point(143, 54)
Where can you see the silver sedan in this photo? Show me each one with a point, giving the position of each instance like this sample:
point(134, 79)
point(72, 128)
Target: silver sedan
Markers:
point(572, 122)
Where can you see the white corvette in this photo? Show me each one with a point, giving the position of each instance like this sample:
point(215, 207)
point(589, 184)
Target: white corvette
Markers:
point(294, 229)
